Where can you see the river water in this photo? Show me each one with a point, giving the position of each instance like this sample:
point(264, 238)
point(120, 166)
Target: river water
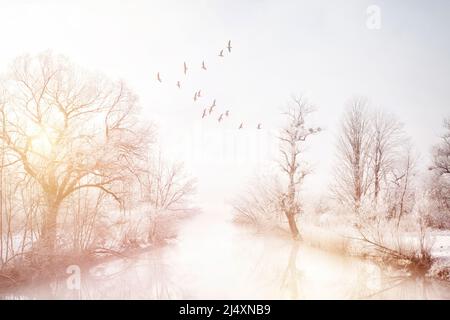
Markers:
point(214, 259)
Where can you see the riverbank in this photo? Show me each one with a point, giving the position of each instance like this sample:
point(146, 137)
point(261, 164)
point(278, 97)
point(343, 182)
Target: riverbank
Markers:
point(213, 258)
point(398, 251)
point(401, 255)
point(25, 273)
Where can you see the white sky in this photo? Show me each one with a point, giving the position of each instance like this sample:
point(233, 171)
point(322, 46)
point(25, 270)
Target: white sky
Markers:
point(320, 48)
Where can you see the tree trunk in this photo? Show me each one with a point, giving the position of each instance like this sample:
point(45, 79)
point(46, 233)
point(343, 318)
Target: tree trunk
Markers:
point(48, 236)
point(377, 188)
point(291, 208)
point(293, 227)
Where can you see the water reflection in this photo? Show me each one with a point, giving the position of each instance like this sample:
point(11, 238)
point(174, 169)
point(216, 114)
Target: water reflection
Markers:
point(291, 278)
point(214, 259)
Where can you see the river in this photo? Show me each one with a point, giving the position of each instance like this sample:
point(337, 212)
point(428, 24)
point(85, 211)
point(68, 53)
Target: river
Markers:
point(214, 259)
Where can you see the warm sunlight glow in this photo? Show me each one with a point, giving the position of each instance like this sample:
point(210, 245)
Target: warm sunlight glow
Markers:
point(41, 142)
point(211, 149)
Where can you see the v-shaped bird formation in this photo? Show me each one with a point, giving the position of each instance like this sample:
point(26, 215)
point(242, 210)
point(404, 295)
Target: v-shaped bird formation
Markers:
point(208, 111)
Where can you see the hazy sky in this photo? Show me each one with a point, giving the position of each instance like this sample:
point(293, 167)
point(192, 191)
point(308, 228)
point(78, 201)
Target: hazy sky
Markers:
point(323, 49)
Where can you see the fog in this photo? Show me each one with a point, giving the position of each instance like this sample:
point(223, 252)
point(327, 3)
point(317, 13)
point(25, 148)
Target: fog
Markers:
point(314, 163)
point(224, 262)
point(323, 49)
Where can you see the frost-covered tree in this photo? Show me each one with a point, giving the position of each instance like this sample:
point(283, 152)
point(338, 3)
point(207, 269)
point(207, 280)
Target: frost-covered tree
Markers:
point(441, 175)
point(353, 176)
point(386, 135)
point(69, 130)
point(292, 138)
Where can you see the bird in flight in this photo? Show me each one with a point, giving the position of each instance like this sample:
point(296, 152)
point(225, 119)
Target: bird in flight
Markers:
point(241, 126)
point(203, 65)
point(178, 84)
point(227, 113)
point(199, 93)
point(158, 77)
point(220, 118)
point(195, 96)
point(204, 113)
point(185, 68)
point(259, 126)
point(211, 107)
point(221, 53)
point(229, 46)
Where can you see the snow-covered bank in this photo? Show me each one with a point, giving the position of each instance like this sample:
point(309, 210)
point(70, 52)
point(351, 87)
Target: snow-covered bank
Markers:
point(163, 230)
point(441, 254)
point(215, 259)
point(416, 250)
point(349, 241)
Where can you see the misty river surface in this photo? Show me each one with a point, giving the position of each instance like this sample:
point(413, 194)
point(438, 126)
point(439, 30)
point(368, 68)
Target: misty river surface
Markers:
point(214, 259)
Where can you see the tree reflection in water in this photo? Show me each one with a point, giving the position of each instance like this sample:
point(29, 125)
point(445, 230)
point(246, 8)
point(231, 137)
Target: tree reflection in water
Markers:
point(227, 262)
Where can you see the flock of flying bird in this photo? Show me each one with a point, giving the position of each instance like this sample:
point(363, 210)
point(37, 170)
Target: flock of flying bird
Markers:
point(208, 111)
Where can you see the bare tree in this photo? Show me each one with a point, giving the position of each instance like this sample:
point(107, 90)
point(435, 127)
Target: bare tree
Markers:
point(69, 130)
point(441, 154)
point(353, 176)
point(385, 140)
point(167, 186)
point(260, 204)
point(292, 139)
point(440, 187)
point(400, 198)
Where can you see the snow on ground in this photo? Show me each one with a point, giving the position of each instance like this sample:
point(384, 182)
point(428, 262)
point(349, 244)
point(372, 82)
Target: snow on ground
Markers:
point(441, 244)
